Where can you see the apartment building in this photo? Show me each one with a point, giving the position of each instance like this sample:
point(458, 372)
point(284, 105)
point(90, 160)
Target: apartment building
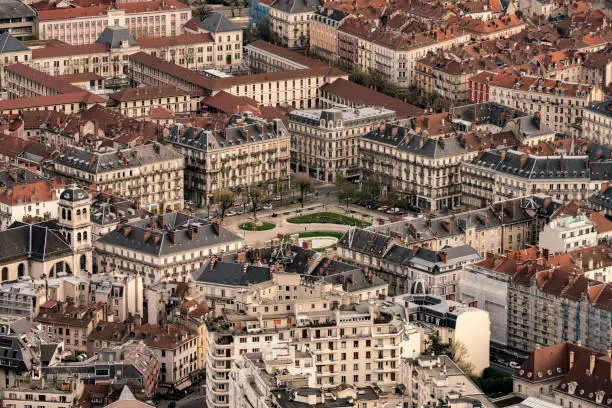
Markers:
point(19, 19)
point(425, 170)
point(432, 379)
point(150, 174)
point(422, 270)
point(343, 92)
point(140, 102)
point(83, 25)
point(12, 52)
point(565, 234)
point(25, 196)
point(597, 122)
point(325, 142)
point(324, 25)
point(500, 174)
point(44, 393)
point(389, 53)
point(168, 247)
point(227, 37)
point(122, 293)
point(290, 22)
point(444, 76)
point(453, 322)
point(500, 27)
point(22, 298)
point(296, 88)
point(354, 343)
point(568, 374)
point(559, 104)
point(173, 346)
point(263, 56)
point(508, 225)
point(247, 151)
point(29, 89)
point(131, 363)
point(70, 324)
point(259, 12)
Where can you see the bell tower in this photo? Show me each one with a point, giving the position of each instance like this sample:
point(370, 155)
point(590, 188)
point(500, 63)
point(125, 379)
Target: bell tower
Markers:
point(75, 225)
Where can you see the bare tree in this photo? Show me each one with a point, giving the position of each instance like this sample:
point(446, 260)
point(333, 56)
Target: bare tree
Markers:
point(256, 195)
point(225, 199)
point(304, 182)
point(460, 355)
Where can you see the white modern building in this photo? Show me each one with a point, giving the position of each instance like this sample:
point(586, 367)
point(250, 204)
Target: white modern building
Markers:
point(568, 233)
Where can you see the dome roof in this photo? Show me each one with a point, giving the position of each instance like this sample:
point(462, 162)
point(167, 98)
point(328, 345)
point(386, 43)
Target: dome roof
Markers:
point(74, 193)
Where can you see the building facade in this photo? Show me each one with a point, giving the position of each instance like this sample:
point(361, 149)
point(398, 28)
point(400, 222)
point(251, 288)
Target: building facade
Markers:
point(325, 142)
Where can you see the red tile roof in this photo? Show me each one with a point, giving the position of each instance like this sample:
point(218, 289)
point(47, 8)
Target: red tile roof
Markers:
point(139, 7)
point(360, 95)
point(148, 92)
point(185, 39)
point(42, 78)
point(54, 52)
point(287, 53)
point(50, 100)
point(36, 192)
point(82, 77)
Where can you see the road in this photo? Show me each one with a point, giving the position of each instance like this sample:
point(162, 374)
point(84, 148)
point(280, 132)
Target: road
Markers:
point(194, 400)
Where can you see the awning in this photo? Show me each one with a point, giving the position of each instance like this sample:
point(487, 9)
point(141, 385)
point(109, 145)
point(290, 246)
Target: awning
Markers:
point(183, 385)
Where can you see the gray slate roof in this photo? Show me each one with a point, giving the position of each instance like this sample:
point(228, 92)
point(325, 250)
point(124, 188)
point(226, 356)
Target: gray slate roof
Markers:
point(95, 162)
point(365, 241)
point(15, 9)
point(537, 167)
point(31, 241)
point(296, 6)
point(8, 43)
point(232, 274)
point(427, 257)
point(355, 280)
point(602, 198)
point(601, 108)
point(74, 193)
point(218, 23)
point(252, 131)
point(115, 35)
point(17, 176)
point(160, 227)
point(401, 138)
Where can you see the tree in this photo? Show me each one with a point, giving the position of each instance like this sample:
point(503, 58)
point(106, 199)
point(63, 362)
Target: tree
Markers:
point(225, 199)
point(344, 189)
point(459, 353)
point(370, 187)
point(200, 9)
point(303, 181)
point(434, 346)
point(256, 194)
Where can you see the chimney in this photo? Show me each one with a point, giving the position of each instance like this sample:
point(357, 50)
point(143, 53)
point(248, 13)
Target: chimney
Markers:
point(156, 239)
point(127, 230)
point(147, 235)
point(503, 155)
point(172, 236)
point(217, 228)
point(415, 249)
point(524, 158)
point(591, 364)
point(571, 360)
point(444, 257)
point(190, 233)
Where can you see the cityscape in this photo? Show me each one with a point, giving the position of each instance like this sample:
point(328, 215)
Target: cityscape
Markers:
point(305, 203)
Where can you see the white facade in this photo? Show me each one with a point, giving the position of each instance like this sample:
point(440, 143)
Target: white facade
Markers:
point(568, 233)
point(488, 290)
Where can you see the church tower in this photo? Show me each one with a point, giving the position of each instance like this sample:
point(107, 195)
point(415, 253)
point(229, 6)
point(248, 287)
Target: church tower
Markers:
point(75, 225)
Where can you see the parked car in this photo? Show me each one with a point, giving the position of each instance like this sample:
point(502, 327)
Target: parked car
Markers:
point(267, 206)
point(383, 208)
point(513, 364)
point(230, 213)
point(394, 210)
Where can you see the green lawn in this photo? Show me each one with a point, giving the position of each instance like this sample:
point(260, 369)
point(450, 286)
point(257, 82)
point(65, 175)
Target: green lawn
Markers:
point(314, 234)
point(327, 218)
point(249, 226)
